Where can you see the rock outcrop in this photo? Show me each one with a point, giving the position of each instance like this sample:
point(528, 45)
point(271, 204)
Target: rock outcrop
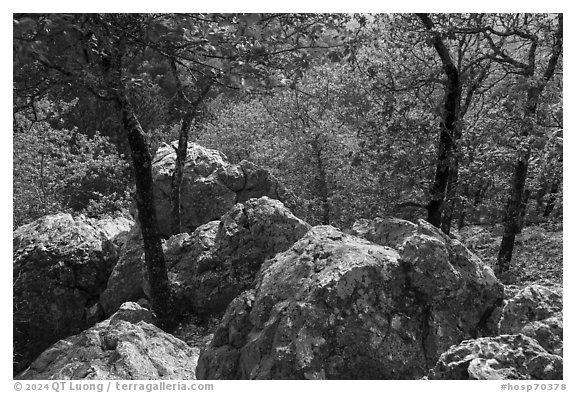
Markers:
point(247, 235)
point(335, 306)
point(61, 265)
point(125, 346)
point(215, 263)
point(211, 186)
point(128, 281)
point(535, 311)
point(503, 357)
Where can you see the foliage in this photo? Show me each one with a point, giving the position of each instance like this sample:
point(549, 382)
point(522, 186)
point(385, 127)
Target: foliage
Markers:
point(299, 134)
point(57, 169)
point(345, 109)
point(377, 114)
point(538, 257)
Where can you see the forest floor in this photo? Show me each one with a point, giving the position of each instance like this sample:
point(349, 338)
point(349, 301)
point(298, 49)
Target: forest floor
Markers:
point(537, 259)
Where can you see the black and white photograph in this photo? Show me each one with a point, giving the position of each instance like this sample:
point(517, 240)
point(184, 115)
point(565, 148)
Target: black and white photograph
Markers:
point(200, 197)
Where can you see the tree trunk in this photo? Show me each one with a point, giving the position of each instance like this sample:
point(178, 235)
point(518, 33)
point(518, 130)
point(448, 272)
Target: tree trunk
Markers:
point(321, 181)
point(449, 205)
point(441, 178)
point(176, 185)
point(452, 187)
point(154, 255)
point(513, 219)
point(182, 149)
point(517, 200)
point(445, 164)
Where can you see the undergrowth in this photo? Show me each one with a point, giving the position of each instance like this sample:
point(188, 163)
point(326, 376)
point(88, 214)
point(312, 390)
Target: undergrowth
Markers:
point(537, 257)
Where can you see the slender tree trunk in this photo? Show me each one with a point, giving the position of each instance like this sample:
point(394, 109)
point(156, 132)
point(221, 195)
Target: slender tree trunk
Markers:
point(160, 293)
point(154, 255)
point(513, 220)
point(181, 151)
point(321, 181)
point(445, 164)
point(452, 187)
point(441, 178)
point(449, 205)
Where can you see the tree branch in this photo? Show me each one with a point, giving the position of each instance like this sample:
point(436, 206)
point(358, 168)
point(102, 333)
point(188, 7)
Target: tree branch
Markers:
point(556, 50)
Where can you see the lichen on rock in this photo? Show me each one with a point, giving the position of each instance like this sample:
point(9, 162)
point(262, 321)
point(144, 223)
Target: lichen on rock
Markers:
point(335, 306)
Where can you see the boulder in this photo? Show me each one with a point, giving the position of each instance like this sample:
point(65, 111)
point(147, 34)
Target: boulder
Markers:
point(126, 346)
point(535, 311)
point(125, 282)
point(128, 281)
point(211, 185)
point(224, 262)
point(61, 265)
point(335, 306)
point(445, 271)
point(215, 263)
point(116, 229)
point(502, 357)
point(182, 255)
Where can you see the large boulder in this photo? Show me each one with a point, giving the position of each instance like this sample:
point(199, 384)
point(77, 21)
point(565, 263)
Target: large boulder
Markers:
point(446, 272)
point(247, 235)
point(211, 185)
point(337, 306)
point(502, 357)
point(125, 346)
point(215, 263)
point(128, 281)
point(61, 265)
point(535, 311)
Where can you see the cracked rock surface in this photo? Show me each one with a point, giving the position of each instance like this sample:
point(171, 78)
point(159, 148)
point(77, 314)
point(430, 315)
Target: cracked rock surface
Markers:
point(335, 306)
point(211, 185)
point(125, 346)
point(61, 265)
